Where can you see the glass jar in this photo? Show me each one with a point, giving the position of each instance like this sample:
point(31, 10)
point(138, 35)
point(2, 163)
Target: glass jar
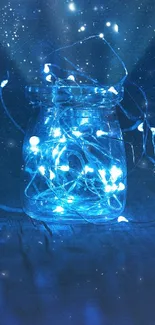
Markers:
point(74, 156)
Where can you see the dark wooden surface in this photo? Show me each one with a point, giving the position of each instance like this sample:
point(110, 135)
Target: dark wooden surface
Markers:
point(89, 275)
point(94, 275)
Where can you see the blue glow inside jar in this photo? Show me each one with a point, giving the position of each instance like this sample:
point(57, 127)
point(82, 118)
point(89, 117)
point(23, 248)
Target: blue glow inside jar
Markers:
point(74, 156)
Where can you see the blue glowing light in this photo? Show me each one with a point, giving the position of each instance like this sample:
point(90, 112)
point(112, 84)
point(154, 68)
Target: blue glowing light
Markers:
point(116, 28)
point(79, 173)
point(42, 170)
point(108, 24)
point(4, 83)
point(75, 165)
point(59, 209)
point(82, 176)
point(122, 219)
point(52, 175)
point(47, 67)
point(71, 77)
point(34, 141)
point(72, 6)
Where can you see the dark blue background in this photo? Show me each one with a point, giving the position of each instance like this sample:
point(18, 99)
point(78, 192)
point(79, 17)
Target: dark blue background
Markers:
point(76, 275)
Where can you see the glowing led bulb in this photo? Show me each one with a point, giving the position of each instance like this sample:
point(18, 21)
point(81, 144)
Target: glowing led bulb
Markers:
point(101, 35)
point(42, 170)
point(108, 24)
point(46, 67)
point(34, 141)
point(103, 175)
point(35, 150)
point(82, 29)
point(115, 173)
point(55, 152)
point(72, 6)
point(52, 175)
point(63, 139)
point(77, 133)
point(140, 127)
point(114, 187)
point(49, 78)
point(121, 219)
point(99, 133)
point(56, 132)
point(4, 83)
point(88, 169)
point(121, 187)
point(58, 209)
point(113, 90)
point(71, 77)
point(116, 28)
point(64, 168)
point(108, 188)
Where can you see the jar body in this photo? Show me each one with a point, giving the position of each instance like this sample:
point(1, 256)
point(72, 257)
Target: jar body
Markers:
point(74, 165)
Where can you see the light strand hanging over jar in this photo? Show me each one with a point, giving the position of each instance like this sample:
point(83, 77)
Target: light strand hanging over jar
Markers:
point(74, 156)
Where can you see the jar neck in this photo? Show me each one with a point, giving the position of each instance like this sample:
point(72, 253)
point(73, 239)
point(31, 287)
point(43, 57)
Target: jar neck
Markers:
point(77, 96)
